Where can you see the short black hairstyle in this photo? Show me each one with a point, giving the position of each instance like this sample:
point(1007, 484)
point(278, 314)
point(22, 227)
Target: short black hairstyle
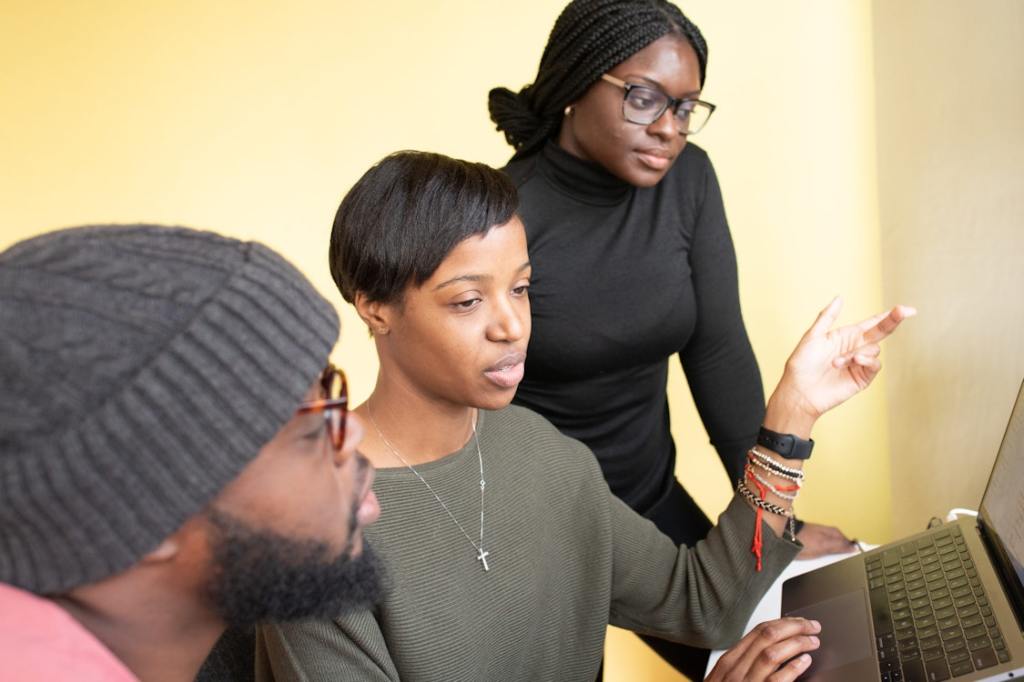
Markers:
point(406, 214)
point(589, 38)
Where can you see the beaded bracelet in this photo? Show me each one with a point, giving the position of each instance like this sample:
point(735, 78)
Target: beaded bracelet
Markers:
point(776, 464)
point(752, 461)
point(775, 490)
point(770, 465)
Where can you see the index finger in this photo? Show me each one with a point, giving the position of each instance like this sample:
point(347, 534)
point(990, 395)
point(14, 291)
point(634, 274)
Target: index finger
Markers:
point(772, 631)
point(878, 327)
point(779, 628)
point(827, 317)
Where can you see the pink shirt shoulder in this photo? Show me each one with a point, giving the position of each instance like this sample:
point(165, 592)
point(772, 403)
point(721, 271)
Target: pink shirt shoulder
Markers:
point(41, 641)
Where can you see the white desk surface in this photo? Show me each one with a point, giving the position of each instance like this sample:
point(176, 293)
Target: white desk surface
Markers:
point(770, 605)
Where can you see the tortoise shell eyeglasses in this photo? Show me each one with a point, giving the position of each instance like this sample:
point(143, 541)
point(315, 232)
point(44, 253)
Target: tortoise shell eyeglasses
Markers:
point(333, 404)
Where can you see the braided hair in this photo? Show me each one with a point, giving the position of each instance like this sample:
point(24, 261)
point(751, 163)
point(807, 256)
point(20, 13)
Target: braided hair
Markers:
point(589, 38)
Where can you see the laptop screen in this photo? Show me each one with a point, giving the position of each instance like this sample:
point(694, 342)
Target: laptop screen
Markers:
point(1002, 507)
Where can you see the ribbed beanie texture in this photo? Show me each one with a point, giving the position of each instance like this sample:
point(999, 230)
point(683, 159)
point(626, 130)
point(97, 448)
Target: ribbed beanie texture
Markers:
point(141, 369)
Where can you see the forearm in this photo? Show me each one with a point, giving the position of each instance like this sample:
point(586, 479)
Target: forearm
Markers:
point(702, 595)
point(725, 383)
point(776, 479)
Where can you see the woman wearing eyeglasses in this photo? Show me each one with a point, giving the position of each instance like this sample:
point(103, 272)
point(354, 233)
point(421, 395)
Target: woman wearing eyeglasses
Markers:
point(506, 553)
point(632, 258)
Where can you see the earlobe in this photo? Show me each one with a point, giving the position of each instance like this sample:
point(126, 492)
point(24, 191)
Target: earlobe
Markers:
point(375, 314)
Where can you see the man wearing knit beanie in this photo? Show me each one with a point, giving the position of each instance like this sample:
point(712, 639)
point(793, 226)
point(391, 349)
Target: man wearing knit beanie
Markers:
point(174, 457)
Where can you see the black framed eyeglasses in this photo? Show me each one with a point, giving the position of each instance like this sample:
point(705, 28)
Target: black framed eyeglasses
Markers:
point(333, 404)
point(643, 105)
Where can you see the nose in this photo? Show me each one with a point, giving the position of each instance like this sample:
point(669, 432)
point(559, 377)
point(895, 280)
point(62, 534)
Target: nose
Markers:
point(510, 321)
point(666, 126)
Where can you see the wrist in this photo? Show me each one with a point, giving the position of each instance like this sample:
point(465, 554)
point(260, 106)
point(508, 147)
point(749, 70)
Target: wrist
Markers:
point(785, 415)
point(785, 445)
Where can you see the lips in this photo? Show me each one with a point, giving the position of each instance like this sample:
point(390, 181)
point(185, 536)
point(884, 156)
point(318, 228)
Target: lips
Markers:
point(508, 371)
point(655, 159)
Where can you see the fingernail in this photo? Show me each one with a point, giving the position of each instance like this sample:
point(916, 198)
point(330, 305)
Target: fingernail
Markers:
point(814, 640)
point(816, 625)
point(805, 659)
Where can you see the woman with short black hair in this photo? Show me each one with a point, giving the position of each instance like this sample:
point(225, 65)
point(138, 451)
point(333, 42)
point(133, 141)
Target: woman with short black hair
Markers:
point(506, 554)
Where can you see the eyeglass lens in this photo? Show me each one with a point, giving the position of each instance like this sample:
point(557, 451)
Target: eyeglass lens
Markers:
point(646, 105)
point(336, 389)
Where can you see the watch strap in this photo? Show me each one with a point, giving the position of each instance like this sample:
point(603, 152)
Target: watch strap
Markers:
point(785, 444)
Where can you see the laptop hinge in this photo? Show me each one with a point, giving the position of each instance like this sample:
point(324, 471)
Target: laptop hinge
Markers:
point(1008, 579)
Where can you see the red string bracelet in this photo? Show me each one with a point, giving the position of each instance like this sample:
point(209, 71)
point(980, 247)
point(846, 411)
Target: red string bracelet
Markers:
point(761, 505)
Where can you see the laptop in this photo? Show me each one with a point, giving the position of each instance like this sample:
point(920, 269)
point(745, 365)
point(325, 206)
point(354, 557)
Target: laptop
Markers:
point(945, 604)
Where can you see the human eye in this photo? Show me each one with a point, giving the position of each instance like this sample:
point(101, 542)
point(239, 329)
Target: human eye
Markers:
point(521, 289)
point(466, 304)
point(687, 107)
point(645, 98)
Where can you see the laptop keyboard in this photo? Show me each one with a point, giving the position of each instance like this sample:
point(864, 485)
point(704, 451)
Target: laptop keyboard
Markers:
point(933, 620)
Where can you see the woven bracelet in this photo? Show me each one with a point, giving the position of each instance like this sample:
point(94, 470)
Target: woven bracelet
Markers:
point(762, 504)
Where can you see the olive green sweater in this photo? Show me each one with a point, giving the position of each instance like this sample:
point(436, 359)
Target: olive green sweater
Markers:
point(566, 558)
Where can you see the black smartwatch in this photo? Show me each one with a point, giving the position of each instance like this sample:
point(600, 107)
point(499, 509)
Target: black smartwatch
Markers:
point(786, 444)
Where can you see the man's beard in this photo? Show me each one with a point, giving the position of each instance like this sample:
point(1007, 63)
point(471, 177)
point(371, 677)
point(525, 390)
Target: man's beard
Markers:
point(263, 576)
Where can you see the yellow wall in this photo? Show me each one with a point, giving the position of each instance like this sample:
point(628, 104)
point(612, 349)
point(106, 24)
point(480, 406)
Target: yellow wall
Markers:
point(254, 118)
point(951, 178)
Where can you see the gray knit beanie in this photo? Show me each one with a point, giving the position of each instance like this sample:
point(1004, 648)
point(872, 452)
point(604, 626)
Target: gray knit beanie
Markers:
point(141, 368)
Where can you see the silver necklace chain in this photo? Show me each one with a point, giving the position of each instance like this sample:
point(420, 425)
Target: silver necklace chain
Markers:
point(481, 555)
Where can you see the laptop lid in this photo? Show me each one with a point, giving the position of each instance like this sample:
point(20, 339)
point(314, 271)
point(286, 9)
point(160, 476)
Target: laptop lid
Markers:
point(1001, 516)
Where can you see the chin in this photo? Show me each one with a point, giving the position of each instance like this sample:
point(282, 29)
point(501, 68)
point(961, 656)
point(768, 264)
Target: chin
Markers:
point(495, 400)
point(646, 177)
point(638, 175)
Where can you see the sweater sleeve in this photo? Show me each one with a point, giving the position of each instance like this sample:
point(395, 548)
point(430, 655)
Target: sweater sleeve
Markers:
point(349, 648)
point(702, 596)
point(719, 363)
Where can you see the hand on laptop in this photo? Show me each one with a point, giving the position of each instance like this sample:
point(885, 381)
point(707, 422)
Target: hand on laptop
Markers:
point(775, 650)
point(828, 367)
point(819, 540)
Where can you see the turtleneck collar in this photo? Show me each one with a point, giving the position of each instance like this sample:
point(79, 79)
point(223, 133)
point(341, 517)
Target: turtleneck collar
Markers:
point(582, 180)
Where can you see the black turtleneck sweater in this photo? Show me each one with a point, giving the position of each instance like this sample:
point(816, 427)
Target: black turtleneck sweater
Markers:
point(623, 279)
